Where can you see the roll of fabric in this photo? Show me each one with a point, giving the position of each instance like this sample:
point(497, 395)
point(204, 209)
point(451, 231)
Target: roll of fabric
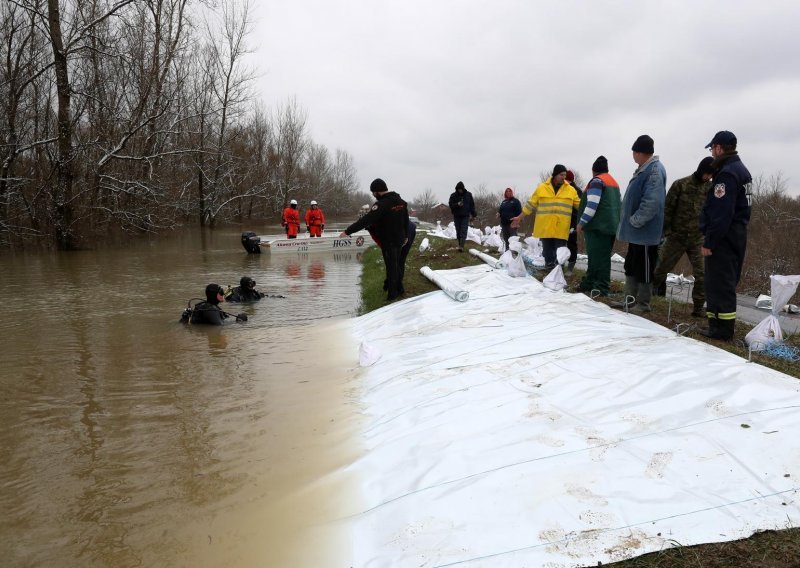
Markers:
point(488, 259)
point(447, 286)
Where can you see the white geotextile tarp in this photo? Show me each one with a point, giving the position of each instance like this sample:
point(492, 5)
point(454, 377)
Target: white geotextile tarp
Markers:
point(533, 428)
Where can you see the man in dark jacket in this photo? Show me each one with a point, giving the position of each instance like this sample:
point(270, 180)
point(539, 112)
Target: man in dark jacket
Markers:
point(463, 207)
point(509, 208)
point(723, 222)
point(682, 232)
point(387, 222)
point(245, 291)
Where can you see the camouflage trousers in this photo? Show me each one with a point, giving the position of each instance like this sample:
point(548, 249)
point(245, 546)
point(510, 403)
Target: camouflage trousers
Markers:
point(668, 256)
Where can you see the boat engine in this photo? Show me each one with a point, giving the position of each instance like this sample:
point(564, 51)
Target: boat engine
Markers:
point(251, 242)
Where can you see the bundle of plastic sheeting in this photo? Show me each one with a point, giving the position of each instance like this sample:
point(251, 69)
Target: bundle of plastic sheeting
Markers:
point(490, 260)
point(424, 245)
point(617, 258)
point(769, 330)
point(447, 286)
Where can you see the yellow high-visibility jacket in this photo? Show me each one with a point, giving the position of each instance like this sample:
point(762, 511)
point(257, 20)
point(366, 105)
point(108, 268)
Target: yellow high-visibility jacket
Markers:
point(553, 210)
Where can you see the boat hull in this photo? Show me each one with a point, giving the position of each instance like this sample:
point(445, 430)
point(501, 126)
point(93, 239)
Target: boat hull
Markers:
point(357, 241)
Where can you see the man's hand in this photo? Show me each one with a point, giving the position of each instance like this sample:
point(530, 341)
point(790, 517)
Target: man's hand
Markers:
point(705, 252)
point(515, 221)
point(343, 235)
point(579, 229)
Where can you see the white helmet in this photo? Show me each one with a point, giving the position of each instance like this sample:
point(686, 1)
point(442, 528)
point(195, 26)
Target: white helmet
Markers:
point(313, 203)
point(293, 202)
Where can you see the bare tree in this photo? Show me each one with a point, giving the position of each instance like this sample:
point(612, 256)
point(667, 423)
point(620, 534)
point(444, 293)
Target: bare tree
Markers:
point(424, 204)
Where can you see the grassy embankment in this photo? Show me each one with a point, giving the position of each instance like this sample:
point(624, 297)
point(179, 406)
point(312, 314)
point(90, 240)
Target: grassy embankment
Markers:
point(769, 549)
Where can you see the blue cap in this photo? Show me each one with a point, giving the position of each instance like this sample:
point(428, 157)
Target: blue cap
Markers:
point(723, 137)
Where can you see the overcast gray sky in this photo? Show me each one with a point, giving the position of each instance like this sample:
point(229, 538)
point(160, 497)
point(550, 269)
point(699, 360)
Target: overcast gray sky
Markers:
point(424, 93)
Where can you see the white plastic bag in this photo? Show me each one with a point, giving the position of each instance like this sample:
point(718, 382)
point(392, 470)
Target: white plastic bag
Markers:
point(423, 246)
point(555, 280)
point(769, 330)
point(514, 264)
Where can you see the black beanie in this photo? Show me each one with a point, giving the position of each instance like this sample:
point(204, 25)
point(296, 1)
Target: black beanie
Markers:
point(211, 293)
point(460, 185)
point(600, 165)
point(558, 168)
point(705, 167)
point(644, 144)
point(378, 185)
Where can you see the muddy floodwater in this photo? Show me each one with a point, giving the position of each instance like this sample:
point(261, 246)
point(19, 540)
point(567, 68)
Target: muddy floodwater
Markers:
point(129, 439)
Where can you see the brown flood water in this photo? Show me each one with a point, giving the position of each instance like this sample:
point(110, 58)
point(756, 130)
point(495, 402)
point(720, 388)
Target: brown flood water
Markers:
point(129, 439)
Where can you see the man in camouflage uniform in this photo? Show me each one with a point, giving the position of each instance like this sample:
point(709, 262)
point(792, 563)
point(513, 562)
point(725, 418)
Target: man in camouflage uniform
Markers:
point(682, 232)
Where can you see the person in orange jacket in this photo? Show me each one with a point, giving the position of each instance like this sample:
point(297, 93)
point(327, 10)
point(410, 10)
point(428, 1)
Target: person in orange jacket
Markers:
point(315, 220)
point(291, 220)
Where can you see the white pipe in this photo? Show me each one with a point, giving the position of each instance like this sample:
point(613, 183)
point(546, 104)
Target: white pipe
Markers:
point(488, 259)
point(446, 285)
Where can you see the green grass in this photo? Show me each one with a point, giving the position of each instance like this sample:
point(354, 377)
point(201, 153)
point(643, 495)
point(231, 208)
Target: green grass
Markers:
point(442, 255)
point(767, 549)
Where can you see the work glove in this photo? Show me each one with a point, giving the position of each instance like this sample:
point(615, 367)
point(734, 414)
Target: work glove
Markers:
point(322, 226)
point(241, 317)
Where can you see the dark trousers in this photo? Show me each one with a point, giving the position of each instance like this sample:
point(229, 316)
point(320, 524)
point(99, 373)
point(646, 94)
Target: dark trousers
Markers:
point(671, 252)
point(403, 255)
point(572, 245)
point(391, 258)
point(549, 247)
point(506, 232)
point(461, 224)
point(598, 270)
point(723, 270)
point(640, 262)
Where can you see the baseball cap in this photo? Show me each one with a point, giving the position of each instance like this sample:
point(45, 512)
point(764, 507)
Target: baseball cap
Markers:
point(722, 137)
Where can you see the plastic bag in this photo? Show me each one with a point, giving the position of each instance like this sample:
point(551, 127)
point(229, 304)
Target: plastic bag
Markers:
point(766, 332)
point(555, 280)
point(769, 330)
point(514, 264)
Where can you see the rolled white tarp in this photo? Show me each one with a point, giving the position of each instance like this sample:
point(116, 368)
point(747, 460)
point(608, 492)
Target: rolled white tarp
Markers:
point(447, 286)
point(488, 259)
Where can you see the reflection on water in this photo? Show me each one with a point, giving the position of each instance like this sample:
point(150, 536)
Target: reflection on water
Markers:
point(129, 439)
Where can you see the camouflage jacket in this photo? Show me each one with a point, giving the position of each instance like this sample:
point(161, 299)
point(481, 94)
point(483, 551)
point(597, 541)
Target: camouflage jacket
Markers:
point(684, 201)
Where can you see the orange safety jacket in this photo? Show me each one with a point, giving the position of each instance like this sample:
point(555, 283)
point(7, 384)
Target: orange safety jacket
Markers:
point(291, 220)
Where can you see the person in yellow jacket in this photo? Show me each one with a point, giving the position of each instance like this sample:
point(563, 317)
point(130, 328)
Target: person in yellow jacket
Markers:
point(553, 202)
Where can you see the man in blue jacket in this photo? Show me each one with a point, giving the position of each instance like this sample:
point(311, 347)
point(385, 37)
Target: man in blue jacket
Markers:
point(641, 223)
point(723, 222)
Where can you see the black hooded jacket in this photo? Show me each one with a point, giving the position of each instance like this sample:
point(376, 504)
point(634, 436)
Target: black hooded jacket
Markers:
point(387, 220)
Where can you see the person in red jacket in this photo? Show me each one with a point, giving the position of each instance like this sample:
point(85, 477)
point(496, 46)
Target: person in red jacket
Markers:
point(291, 220)
point(315, 220)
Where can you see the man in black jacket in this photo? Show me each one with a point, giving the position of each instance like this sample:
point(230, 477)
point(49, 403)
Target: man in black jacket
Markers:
point(387, 222)
point(463, 207)
point(723, 222)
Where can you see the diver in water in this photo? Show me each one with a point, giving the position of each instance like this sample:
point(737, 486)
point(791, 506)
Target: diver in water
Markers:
point(245, 291)
point(208, 311)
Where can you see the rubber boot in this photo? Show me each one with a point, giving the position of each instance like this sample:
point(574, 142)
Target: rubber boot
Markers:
point(630, 290)
point(725, 329)
point(460, 245)
point(712, 331)
point(644, 292)
point(698, 311)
